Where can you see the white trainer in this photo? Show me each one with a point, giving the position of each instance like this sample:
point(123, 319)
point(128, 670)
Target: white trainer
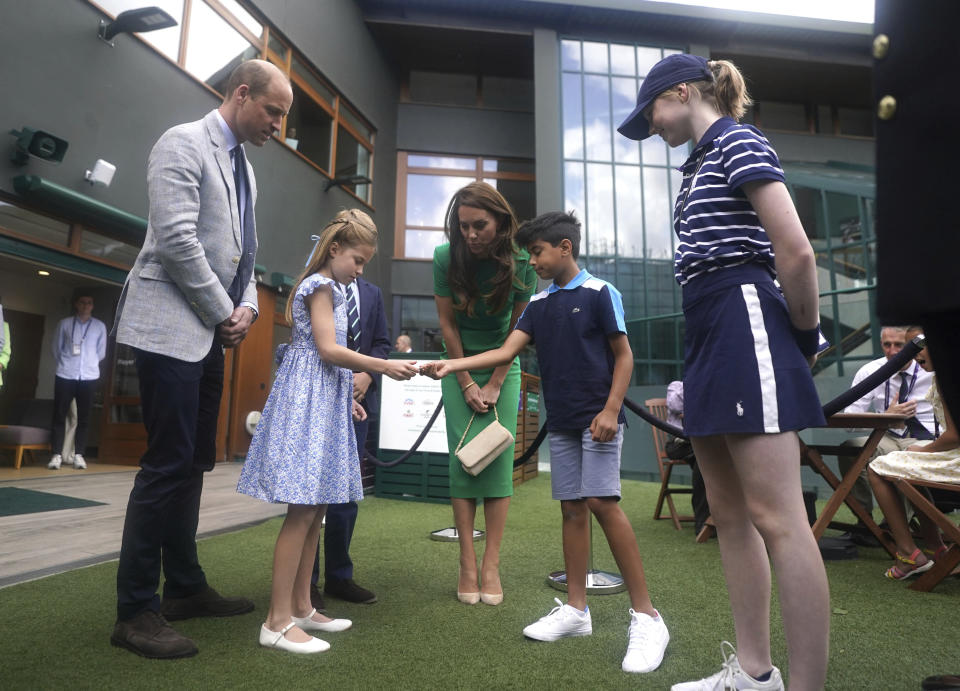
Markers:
point(731, 677)
point(647, 640)
point(55, 461)
point(561, 622)
point(78, 462)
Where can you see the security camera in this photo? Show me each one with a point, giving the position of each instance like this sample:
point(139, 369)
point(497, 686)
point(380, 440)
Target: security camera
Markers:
point(102, 173)
point(39, 144)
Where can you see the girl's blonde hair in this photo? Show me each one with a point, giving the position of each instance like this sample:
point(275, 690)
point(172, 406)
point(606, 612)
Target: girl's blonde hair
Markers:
point(349, 228)
point(728, 90)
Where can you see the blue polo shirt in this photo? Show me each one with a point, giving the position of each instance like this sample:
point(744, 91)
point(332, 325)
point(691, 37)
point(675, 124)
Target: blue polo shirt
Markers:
point(715, 224)
point(570, 327)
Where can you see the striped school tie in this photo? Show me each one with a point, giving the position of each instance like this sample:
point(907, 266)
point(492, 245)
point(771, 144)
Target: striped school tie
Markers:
point(353, 320)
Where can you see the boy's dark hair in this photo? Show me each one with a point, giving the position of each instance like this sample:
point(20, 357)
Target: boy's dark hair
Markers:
point(552, 227)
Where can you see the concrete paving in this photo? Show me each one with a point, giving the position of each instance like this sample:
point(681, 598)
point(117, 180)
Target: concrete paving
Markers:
point(35, 545)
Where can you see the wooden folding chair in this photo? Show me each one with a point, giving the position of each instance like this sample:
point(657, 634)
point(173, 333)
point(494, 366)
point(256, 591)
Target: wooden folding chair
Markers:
point(658, 408)
point(947, 561)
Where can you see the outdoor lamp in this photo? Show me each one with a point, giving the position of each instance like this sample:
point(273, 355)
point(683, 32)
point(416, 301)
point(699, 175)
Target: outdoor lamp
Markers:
point(135, 21)
point(347, 180)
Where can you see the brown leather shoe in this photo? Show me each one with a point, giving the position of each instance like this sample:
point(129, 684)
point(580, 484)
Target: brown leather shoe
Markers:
point(207, 603)
point(148, 634)
point(316, 599)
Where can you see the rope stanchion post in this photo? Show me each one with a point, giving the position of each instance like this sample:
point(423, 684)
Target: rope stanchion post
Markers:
point(598, 582)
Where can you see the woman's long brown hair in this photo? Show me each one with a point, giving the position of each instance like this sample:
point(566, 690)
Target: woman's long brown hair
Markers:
point(462, 274)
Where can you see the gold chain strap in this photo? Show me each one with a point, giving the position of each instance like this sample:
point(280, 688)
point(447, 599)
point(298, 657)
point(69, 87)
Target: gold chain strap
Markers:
point(467, 430)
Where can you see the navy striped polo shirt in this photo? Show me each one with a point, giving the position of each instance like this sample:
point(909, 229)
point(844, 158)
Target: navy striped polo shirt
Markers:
point(715, 224)
point(571, 327)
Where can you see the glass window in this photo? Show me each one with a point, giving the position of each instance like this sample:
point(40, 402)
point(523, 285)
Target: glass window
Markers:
point(247, 19)
point(448, 162)
point(277, 46)
point(422, 212)
point(356, 123)
point(214, 48)
point(34, 225)
point(646, 58)
point(167, 41)
point(596, 98)
point(106, 248)
point(594, 57)
point(624, 94)
point(657, 219)
point(600, 227)
point(572, 117)
point(419, 244)
point(309, 128)
point(509, 165)
point(570, 55)
point(654, 151)
point(307, 75)
point(622, 59)
point(352, 159)
point(428, 197)
point(629, 212)
point(573, 196)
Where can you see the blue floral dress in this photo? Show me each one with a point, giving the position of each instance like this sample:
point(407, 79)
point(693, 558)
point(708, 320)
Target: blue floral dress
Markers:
point(304, 450)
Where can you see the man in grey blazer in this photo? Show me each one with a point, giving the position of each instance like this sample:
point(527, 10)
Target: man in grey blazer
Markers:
point(190, 294)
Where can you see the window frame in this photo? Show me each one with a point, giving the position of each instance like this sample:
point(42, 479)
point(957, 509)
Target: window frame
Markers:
point(285, 63)
point(477, 174)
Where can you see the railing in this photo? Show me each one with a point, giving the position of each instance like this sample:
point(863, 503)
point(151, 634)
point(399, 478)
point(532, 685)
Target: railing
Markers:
point(843, 338)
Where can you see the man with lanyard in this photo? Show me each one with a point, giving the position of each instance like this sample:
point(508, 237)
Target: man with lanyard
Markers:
point(79, 344)
point(904, 394)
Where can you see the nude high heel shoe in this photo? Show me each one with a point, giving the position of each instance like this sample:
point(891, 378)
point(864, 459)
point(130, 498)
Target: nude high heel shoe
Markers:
point(467, 598)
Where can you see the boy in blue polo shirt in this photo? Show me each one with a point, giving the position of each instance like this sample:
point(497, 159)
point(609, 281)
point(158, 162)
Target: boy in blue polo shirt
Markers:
point(585, 362)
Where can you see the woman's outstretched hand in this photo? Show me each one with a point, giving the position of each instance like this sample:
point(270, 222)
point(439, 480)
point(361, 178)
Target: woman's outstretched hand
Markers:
point(436, 369)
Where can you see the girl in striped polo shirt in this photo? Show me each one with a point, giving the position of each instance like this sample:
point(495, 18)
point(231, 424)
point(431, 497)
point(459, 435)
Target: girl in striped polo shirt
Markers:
point(748, 347)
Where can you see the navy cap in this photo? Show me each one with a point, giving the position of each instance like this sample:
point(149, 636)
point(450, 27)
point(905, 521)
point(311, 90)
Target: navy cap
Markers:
point(672, 70)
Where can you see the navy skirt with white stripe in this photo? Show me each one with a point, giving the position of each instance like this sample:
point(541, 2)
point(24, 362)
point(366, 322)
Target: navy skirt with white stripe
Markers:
point(743, 371)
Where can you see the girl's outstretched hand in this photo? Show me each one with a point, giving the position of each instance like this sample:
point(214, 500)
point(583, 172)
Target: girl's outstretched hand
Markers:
point(400, 369)
point(436, 369)
point(359, 414)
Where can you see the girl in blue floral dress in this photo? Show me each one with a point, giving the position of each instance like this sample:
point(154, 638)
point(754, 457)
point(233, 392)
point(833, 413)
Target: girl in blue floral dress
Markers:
point(304, 452)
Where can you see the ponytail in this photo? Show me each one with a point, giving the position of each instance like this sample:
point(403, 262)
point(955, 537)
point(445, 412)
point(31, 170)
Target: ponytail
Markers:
point(728, 90)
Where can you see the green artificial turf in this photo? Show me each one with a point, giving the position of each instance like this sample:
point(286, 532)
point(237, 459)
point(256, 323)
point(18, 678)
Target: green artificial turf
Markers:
point(16, 500)
point(55, 632)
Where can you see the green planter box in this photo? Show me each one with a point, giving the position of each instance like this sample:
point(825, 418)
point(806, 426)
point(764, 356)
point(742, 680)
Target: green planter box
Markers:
point(422, 477)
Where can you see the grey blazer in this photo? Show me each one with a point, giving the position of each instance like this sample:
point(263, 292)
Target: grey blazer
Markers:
point(176, 292)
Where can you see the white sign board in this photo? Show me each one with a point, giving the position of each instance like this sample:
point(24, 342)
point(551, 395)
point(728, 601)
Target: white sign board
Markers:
point(405, 409)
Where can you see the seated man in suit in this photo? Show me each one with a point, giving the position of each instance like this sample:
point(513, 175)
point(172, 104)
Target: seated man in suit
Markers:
point(904, 393)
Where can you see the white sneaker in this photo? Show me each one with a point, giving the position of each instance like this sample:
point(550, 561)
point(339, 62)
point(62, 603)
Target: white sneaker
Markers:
point(731, 677)
point(647, 640)
point(55, 461)
point(562, 621)
point(79, 463)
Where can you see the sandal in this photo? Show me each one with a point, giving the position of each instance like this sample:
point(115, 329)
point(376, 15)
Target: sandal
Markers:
point(935, 553)
point(897, 574)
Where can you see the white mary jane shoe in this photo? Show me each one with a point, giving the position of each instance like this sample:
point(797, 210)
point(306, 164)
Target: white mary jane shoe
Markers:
point(307, 623)
point(276, 639)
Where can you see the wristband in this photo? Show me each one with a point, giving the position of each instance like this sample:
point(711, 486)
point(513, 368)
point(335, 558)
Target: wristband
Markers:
point(808, 340)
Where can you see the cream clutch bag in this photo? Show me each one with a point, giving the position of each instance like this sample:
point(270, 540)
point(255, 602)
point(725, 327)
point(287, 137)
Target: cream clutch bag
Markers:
point(484, 447)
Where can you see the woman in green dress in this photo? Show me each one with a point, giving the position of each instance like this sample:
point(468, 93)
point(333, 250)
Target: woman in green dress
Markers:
point(482, 282)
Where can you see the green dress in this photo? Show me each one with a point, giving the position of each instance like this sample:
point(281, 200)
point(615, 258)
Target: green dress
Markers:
point(479, 333)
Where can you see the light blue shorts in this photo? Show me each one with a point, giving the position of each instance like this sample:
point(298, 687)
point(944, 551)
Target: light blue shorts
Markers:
point(581, 467)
